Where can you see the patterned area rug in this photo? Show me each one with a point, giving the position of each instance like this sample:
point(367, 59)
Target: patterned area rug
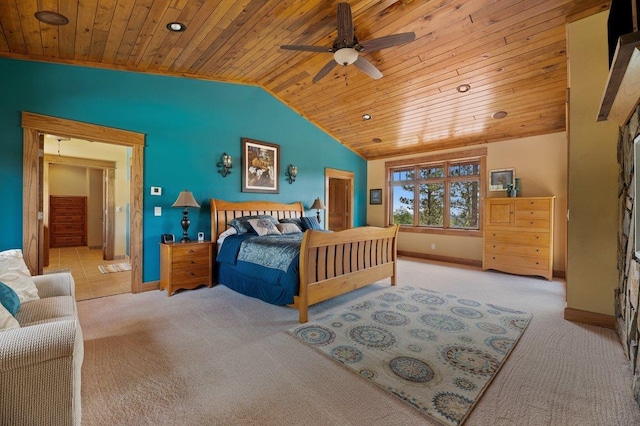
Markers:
point(116, 267)
point(437, 352)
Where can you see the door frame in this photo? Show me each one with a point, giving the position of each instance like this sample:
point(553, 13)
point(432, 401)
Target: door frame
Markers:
point(34, 125)
point(344, 175)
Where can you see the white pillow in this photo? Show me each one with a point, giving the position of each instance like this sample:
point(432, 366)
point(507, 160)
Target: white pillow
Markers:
point(225, 234)
point(288, 228)
point(263, 226)
point(7, 321)
point(15, 274)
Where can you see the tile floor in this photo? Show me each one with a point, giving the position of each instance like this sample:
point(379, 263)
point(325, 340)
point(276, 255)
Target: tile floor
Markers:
point(90, 282)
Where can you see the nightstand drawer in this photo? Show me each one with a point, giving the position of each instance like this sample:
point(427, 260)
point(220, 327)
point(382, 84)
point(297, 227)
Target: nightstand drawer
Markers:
point(195, 273)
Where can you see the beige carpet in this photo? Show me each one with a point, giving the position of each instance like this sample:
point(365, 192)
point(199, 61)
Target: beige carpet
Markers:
point(214, 357)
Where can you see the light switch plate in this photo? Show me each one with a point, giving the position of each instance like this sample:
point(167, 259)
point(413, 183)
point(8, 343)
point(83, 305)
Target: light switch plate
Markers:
point(156, 190)
point(157, 211)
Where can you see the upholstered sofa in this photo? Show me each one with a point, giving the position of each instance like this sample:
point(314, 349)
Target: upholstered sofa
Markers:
point(40, 361)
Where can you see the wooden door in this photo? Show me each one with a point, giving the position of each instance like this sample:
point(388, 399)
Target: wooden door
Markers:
point(339, 204)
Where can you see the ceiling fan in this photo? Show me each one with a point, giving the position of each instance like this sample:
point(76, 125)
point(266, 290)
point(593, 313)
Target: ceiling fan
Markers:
point(346, 48)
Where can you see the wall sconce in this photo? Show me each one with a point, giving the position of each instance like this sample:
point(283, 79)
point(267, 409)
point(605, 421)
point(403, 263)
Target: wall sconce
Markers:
point(292, 172)
point(317, 206)
point(224, 164)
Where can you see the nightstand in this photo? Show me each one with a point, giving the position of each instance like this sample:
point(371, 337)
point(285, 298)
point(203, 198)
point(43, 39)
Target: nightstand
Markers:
point(185, 265)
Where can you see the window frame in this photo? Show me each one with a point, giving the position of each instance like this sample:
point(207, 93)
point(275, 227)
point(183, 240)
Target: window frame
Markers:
point(469, 155)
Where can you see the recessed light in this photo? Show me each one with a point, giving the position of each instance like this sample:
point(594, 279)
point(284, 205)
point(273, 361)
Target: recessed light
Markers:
point(463, 88)
point(52, 18)
point(176, 27)
point(499, 114)
point(366, 117)
point(376, 140)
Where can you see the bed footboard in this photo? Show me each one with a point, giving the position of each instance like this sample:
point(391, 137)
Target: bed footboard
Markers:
point(339, 262)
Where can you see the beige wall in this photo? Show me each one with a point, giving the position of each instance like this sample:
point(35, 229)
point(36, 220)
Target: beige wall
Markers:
point(593, 173)
point(68, 180)
point(540, 163)
point(107, 152)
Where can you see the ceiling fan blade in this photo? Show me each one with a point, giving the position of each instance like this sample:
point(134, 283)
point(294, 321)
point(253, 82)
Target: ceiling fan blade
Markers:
point(387, 41)
point(306, 48)
point(325, 70)
point(345, 25)
point(367, 67)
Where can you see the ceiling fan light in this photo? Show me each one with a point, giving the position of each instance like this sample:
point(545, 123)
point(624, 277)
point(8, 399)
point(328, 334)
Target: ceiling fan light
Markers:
point(345, 56)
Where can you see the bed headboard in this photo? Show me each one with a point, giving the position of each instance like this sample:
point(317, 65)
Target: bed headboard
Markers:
point(222, 212)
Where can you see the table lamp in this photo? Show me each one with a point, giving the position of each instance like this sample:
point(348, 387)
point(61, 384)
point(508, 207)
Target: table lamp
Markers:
point(185, 200)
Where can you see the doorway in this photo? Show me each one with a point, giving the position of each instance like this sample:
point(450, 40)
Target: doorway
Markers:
point(34, 127)
point(339, 185)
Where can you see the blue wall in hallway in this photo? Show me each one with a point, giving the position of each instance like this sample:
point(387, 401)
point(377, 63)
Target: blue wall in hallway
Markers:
point(188, 125)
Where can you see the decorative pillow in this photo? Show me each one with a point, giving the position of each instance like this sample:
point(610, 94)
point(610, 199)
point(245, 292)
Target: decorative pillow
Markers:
point(9, 299)
point(263, 226)
point(294, 220)
point(288, 228)
point(242, 225)
point(225, 234)
point(7, 321)
point(15, 274)
point(310, 223)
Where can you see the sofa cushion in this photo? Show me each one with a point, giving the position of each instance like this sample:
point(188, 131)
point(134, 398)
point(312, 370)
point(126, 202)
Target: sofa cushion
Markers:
point(46, 310)
point(9, 299)
point(15, 274)
point(7, 321)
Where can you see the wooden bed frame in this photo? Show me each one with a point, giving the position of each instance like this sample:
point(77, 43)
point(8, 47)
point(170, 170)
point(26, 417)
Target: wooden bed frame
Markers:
point(331, 263)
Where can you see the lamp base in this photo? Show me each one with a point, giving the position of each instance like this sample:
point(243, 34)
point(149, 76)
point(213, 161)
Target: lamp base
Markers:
point(185, 222)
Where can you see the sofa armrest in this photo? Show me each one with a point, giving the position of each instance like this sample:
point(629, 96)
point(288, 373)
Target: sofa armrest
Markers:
point(40, 374)
point(50, 285)
point(40, 343)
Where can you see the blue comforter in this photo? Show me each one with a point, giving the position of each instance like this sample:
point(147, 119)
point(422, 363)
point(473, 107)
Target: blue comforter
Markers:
point(265, 267)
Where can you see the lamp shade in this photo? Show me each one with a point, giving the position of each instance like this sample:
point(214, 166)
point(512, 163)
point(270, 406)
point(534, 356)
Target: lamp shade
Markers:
point(185, 199)
point(318, 204)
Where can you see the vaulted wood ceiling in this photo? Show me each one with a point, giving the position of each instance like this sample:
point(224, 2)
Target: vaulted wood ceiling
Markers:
point(512, 54)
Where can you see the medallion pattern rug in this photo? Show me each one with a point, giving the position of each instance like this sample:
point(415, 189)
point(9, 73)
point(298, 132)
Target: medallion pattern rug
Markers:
point(437, 352)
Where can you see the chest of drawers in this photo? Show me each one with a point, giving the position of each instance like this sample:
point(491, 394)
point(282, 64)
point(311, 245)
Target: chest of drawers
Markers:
point(68, 221)
point(518, 235)
point(185, 265)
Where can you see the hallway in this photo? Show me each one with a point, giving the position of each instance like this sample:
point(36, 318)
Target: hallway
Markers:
point(83, 264)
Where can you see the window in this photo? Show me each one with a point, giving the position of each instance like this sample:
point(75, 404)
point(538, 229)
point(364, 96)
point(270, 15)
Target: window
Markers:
point(438, 195)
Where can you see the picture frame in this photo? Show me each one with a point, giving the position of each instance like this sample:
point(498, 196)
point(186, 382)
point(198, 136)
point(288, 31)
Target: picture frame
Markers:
point(260, 166)
point(375, 196)
point(500, 178)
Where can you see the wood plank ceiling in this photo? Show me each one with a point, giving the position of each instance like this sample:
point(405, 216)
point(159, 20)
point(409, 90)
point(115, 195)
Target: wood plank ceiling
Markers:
point(512, 54)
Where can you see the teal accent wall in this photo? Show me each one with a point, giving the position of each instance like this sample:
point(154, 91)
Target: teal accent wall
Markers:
point(188, 125)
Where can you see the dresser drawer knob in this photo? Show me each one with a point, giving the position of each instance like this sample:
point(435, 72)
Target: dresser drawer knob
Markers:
point(191, 251)
point(531, 222)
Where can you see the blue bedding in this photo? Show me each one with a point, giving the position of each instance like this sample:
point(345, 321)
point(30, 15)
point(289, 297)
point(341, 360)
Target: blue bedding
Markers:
point(265, 267)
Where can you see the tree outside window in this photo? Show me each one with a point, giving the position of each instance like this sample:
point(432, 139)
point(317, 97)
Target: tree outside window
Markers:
point(443, 195)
